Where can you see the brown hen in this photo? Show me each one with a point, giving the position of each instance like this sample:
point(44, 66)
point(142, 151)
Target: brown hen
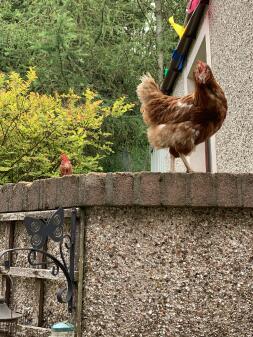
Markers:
point(181, 123)
point(65, 166)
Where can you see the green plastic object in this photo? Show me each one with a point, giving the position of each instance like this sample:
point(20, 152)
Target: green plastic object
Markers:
point(62, 327)
point(166, 71)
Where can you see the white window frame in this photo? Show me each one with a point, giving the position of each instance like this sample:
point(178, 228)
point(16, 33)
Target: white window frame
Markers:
point(198, 158)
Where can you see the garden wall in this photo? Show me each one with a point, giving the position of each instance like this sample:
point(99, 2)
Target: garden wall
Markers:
point(165, 254)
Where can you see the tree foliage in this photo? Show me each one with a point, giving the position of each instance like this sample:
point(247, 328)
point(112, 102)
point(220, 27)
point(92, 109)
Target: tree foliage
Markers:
point(102, 44)
point(36, 128)
point(99, 44)
point(129, 153)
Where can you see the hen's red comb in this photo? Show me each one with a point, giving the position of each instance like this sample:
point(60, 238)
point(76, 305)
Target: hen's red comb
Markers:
point(64, 157)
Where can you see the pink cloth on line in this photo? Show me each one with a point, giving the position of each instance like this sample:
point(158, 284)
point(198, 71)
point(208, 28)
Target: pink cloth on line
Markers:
point(192, 5)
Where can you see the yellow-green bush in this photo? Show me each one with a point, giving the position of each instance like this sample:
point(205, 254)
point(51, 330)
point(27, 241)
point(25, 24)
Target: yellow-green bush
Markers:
point(35, 129)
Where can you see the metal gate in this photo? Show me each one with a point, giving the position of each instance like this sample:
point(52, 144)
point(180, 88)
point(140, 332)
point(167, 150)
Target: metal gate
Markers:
point(33, 289)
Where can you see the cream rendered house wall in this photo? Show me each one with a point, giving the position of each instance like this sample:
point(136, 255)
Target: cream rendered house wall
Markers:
point(231, 43)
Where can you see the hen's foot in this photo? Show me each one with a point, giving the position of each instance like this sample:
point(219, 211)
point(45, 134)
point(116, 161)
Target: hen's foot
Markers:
point(186, 164)
point(172, 163)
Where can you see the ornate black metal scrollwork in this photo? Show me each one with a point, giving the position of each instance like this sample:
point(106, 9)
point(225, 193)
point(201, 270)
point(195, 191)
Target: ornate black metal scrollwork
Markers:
point(40, 230)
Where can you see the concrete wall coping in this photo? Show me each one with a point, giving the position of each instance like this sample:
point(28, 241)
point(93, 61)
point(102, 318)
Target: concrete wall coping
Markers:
point(130, 189)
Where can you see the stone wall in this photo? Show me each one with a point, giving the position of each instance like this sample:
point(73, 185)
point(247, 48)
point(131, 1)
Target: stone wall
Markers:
point(165, 254)
point(171, 272)
point(129, 189)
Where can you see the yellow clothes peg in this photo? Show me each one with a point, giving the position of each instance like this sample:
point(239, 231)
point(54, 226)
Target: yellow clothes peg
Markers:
point(178, 28)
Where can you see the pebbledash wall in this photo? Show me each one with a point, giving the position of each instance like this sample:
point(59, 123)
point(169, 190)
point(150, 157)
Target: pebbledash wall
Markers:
point(165, 254)
point(231, 59)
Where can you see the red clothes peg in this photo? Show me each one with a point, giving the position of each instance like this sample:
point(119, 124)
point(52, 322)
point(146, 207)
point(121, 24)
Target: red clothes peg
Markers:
point(192, 5)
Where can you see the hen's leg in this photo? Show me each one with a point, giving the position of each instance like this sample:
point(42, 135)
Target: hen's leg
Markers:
point(172, 163)
point(188, 168)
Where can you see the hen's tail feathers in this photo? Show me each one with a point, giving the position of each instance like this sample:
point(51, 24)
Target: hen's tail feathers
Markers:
point(149, 94)
point(147, 88)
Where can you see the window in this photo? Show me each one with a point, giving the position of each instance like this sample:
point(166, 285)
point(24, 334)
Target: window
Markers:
point(203, 159)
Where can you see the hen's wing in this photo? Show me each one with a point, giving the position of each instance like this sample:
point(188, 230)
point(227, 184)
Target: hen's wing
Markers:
point(158, 108)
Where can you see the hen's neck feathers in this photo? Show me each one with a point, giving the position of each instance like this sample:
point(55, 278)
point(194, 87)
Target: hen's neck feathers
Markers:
point(209, 95)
